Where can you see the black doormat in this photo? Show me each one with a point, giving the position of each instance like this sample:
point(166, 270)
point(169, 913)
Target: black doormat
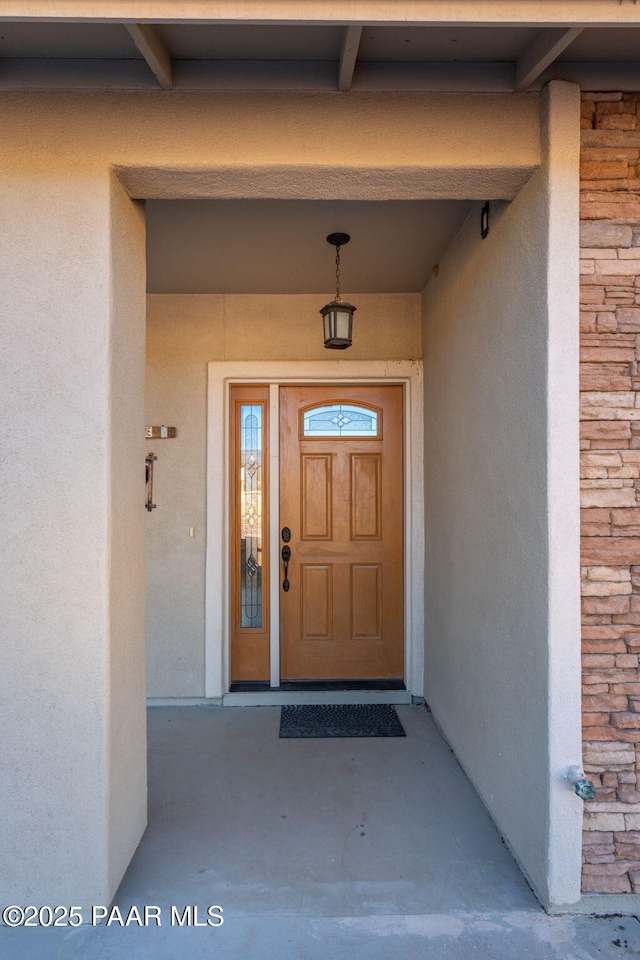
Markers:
point(341, 720)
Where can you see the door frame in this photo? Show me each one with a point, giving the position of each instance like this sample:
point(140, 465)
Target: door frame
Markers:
point(221, 376)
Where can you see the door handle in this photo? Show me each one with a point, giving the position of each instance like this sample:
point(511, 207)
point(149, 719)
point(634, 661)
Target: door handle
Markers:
point(286, 556)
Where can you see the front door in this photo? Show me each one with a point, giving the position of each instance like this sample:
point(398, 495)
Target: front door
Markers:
point(341, 482)
point(340, 475)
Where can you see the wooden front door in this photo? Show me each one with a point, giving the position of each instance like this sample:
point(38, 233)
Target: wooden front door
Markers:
point(341, 483)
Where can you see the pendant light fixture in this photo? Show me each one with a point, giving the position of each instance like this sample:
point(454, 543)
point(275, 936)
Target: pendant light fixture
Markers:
point(337, 316)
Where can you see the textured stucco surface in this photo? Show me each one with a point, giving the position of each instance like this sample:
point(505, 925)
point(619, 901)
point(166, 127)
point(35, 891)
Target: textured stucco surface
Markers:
point(70, 371)
point(127, 747)
point(501, 673)
point(561, 150)
point(166, 145)
point(183, 333)
point(72, 806)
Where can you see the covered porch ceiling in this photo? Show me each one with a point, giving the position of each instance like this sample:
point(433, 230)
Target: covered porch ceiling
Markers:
point(279, 246)
point(360, 46)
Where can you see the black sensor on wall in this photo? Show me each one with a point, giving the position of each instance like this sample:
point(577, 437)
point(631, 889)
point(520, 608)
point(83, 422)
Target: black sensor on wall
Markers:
point(484, 220)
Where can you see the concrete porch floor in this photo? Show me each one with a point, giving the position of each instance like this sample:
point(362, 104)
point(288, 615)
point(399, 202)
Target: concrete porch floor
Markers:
point(321, 849)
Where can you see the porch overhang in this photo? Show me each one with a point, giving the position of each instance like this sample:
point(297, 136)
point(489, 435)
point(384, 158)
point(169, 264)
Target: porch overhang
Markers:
point(363, 45)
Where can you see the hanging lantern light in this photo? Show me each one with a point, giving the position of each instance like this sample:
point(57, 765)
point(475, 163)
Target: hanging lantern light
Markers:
point(337, 316)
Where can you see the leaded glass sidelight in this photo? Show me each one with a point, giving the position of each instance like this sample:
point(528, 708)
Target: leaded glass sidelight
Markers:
point(251, 515)
point(340, 420)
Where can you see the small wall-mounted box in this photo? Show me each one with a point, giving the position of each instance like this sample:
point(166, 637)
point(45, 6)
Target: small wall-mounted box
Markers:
point(159, 433)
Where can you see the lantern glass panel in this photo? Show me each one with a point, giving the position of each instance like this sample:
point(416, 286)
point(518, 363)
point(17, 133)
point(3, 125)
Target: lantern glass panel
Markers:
point(343, 324)
point(327, 325)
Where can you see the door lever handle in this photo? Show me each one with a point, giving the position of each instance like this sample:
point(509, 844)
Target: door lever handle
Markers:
point(286, 556)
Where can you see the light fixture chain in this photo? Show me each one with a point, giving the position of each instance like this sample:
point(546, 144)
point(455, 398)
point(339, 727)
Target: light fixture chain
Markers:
point(338, 273)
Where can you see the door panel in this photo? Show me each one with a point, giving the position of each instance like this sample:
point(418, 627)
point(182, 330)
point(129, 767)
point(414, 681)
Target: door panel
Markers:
point(315, 501)
point(341, 496)
point(366, 601)
point(366, 496)
point(316, 601)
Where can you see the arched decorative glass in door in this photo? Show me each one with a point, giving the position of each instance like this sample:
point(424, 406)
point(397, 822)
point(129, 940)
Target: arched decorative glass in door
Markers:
point(340, 420)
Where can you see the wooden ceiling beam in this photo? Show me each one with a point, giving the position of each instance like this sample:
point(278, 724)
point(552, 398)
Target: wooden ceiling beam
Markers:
point(543, 51)
point(348, 57)
point(148, 42)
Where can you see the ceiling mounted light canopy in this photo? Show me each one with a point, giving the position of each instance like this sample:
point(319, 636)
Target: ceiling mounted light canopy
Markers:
point(337, 315)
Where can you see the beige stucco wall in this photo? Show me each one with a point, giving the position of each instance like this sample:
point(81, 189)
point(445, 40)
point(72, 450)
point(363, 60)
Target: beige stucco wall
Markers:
point(126, 733)
point(71, 284)
point(183, 334)
point(502, 652)
point(72, 752)
point(172, 145)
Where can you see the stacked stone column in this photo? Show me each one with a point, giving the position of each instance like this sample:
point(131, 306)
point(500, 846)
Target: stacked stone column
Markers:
point(610, 442)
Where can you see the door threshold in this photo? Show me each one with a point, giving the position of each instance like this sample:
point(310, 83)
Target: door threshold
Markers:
point(280, 697)
point(255, 686)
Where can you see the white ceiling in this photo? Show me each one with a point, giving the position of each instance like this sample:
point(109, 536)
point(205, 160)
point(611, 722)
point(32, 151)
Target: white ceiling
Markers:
point(279, 246)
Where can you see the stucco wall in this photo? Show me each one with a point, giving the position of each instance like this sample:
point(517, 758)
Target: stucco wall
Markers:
point(274, 145)
point(492, 674)
point(69, 442)
point(72, 791)
point(127, 741)
point(183, 334)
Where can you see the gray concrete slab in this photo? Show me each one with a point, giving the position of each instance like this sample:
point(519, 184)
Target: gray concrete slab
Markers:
point(315, 827)
point(318, 849)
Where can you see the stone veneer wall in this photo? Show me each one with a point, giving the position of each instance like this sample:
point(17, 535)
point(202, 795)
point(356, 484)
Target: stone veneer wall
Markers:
point(610, 431)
